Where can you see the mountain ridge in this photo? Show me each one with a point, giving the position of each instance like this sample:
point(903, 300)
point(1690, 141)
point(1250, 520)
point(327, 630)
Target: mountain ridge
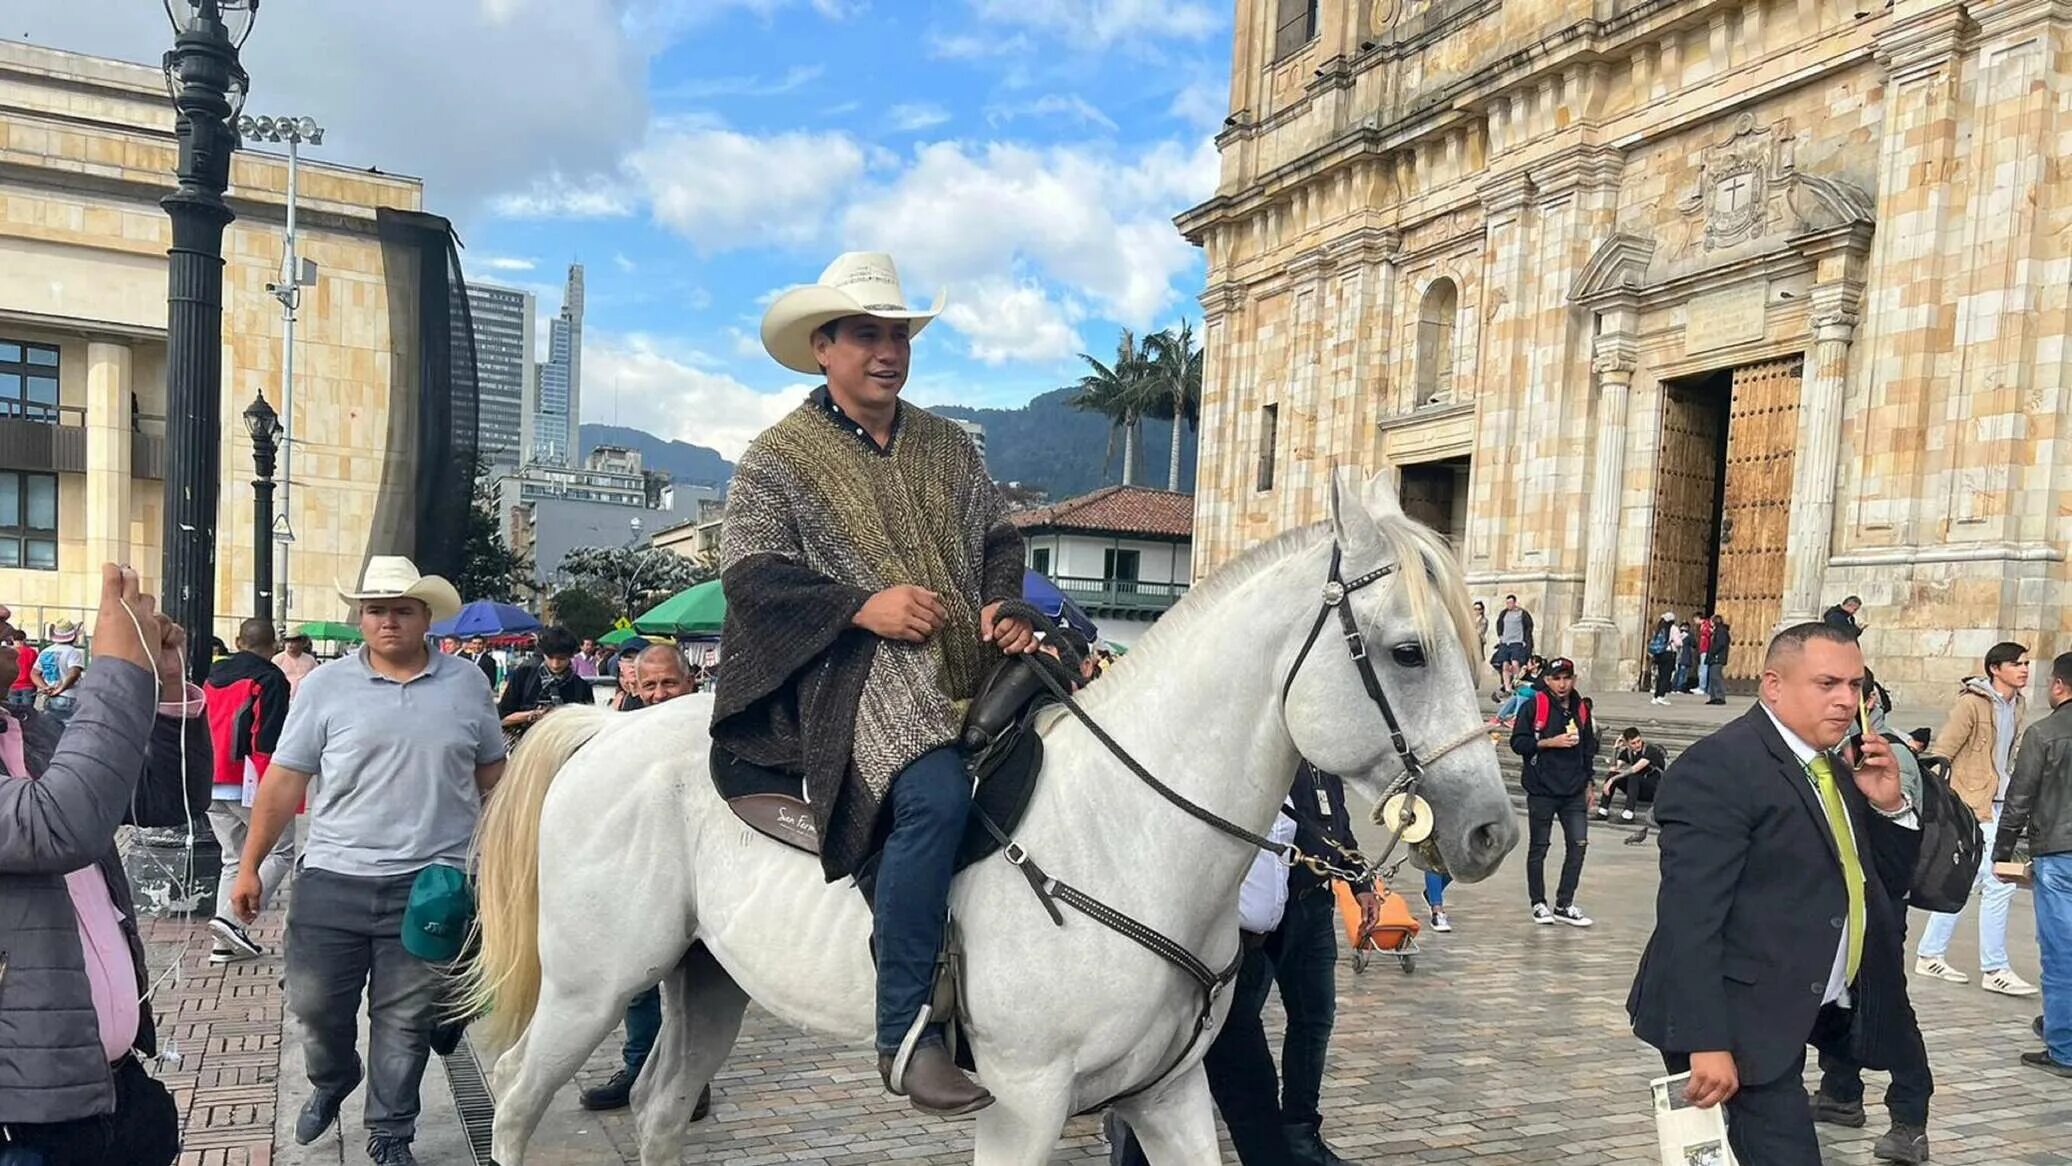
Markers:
point(1046, 445)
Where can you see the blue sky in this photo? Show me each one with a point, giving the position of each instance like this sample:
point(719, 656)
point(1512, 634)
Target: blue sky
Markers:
point(697, 156)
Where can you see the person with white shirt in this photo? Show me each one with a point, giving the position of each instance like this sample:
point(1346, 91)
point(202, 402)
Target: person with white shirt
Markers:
point(1239, 1062)
point(1788, 846)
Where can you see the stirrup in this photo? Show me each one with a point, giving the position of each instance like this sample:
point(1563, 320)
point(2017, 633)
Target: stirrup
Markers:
point(895, 1081)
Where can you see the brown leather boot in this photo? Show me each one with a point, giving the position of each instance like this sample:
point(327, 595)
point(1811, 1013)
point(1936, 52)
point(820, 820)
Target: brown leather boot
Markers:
point(935, 1084)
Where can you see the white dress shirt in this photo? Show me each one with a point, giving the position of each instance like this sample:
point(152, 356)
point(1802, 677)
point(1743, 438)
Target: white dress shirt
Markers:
point(1263, 898)
point(1838, 978)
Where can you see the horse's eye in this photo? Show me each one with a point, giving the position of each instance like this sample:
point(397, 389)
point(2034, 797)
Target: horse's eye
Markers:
point(1408, 655)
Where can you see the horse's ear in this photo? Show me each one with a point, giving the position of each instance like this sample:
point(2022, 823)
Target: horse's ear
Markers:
point(1351, 524)
point(1380, 496)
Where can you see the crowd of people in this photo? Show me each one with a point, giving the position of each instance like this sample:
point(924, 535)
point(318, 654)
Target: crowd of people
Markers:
point(389, 751)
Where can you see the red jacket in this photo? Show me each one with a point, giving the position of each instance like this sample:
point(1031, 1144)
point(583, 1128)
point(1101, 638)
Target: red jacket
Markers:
point(247, 698)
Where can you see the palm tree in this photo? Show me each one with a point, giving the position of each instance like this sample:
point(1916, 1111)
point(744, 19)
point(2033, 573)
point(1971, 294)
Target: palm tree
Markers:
point(1122, 392)
point(1175, 374)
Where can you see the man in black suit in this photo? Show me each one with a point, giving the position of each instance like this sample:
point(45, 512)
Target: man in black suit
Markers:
point(1787, 849)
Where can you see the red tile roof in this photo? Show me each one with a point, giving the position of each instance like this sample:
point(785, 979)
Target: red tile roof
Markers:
point(1117, 510)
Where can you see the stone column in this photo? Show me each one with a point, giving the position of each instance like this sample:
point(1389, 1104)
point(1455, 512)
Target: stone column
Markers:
point(1614, 368)
point(1812, 529)
point(108, 432)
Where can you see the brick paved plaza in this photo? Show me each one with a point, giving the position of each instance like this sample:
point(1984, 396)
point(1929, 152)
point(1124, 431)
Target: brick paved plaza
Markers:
point(1507, 1046)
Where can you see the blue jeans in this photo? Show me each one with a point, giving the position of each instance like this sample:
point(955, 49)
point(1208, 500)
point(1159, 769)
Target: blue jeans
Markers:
point(1304, 950)
point(2053, 895)
point(1435, 888)
point(345, 944)
point(1716, 681)
point(60, 708)
point(1993, 897)
point(643, 1025)
point(930, 802)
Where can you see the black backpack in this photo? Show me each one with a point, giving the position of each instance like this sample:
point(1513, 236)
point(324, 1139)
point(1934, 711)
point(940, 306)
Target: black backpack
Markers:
point(1952, 845)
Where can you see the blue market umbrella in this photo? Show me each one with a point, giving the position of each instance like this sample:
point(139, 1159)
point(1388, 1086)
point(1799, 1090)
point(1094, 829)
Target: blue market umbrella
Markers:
point(1045, 597)
point(486, 618)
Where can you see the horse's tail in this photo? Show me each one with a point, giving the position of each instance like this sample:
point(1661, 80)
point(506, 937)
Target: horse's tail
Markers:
point(502, 984)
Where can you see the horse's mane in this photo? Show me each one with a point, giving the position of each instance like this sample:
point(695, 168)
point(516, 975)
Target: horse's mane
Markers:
point(1438, 595)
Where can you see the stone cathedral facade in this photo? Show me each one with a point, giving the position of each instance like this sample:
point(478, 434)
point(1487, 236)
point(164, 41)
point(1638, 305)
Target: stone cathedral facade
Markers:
point(1661, 305)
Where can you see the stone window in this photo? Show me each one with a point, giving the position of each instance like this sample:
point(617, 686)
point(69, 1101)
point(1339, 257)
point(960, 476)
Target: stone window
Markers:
point(29, 521)
point(1269, 426)
point(1295, 25)
point(29, 381)
point(1436, 318)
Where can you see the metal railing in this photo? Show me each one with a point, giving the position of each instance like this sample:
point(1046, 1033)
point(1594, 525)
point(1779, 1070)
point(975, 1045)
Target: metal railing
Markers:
point(1120, 594)
point(52, 439)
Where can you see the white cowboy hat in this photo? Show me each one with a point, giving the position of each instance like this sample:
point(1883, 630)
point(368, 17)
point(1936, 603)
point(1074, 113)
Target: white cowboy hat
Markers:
point(857, 283)
point(396, 577)
point(64, 632)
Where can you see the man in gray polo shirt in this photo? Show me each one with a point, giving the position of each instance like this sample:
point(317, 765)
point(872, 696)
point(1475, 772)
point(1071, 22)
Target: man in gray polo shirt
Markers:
point(396, 745)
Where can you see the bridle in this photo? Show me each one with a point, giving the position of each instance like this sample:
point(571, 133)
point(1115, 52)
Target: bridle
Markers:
point(1352, 866)
point(1337, 590)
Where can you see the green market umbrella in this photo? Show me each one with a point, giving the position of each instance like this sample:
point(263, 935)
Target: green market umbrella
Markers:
point(619, 637)
point(696, 612)
point(324, 629)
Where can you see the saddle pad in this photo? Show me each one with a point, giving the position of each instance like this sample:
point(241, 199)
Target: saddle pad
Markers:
point(771, 802)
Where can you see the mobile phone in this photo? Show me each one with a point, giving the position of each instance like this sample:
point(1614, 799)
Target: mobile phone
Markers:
point(1863, 720)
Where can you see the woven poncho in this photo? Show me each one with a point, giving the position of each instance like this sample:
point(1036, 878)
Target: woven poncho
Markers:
point(819, 520)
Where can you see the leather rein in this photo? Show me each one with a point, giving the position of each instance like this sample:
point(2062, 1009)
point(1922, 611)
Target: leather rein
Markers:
point(1347, 864)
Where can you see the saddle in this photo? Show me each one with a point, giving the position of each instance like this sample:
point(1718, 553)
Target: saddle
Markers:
point(1001, 749)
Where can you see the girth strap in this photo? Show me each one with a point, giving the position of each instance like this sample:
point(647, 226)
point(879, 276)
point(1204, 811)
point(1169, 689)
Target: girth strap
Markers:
point(1050, 892)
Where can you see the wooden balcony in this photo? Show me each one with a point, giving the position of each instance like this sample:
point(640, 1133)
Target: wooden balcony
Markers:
point(52, 439)
point(1124, 597)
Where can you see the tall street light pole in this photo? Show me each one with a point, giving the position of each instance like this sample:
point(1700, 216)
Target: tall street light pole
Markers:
point(207, 85)
point(265, 427)
point(296, 273)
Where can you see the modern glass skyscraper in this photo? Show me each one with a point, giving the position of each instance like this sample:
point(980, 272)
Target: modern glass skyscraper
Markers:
point(504, 360)
point(558, 410)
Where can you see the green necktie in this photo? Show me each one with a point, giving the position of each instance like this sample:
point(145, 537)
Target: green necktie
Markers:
point(1845, 844)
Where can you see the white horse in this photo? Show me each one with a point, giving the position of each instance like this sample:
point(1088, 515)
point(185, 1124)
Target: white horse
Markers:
point(606, 855)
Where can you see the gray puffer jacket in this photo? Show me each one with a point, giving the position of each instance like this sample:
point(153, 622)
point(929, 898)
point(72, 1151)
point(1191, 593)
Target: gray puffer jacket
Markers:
point(52, 1066)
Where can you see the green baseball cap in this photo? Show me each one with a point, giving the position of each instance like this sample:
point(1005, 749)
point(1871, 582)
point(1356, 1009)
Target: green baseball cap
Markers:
point(441, 909)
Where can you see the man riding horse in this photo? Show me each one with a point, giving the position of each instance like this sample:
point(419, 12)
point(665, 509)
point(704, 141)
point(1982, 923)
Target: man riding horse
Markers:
point(865, 556)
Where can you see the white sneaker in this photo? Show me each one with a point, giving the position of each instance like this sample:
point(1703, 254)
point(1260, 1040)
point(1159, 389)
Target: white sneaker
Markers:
point(1573, 916)
point(1625, 815)
point(2006, 983)
point(1439, 920)
point(1540, 914)
point(1937, 968)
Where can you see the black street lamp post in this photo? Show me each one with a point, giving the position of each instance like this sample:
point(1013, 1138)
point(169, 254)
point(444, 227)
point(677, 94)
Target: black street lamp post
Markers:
point(208, 87)
point(265, 427)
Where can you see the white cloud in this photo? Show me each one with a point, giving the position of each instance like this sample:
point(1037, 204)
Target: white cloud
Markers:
point(1069, 107)
point(722, 189)
point(392, 89)
point(624, 264)
point(665, 391)
point(794, 78)
point(1106, 22)
point(914, 116)
point(506, 263)
point(1202, 103)
point(972, 47)
point(558, 196)
point(1094, 221)
point(1011, 320)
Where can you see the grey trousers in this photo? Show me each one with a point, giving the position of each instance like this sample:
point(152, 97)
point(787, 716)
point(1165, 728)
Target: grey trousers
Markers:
point(232, 822)
point(345, 935)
